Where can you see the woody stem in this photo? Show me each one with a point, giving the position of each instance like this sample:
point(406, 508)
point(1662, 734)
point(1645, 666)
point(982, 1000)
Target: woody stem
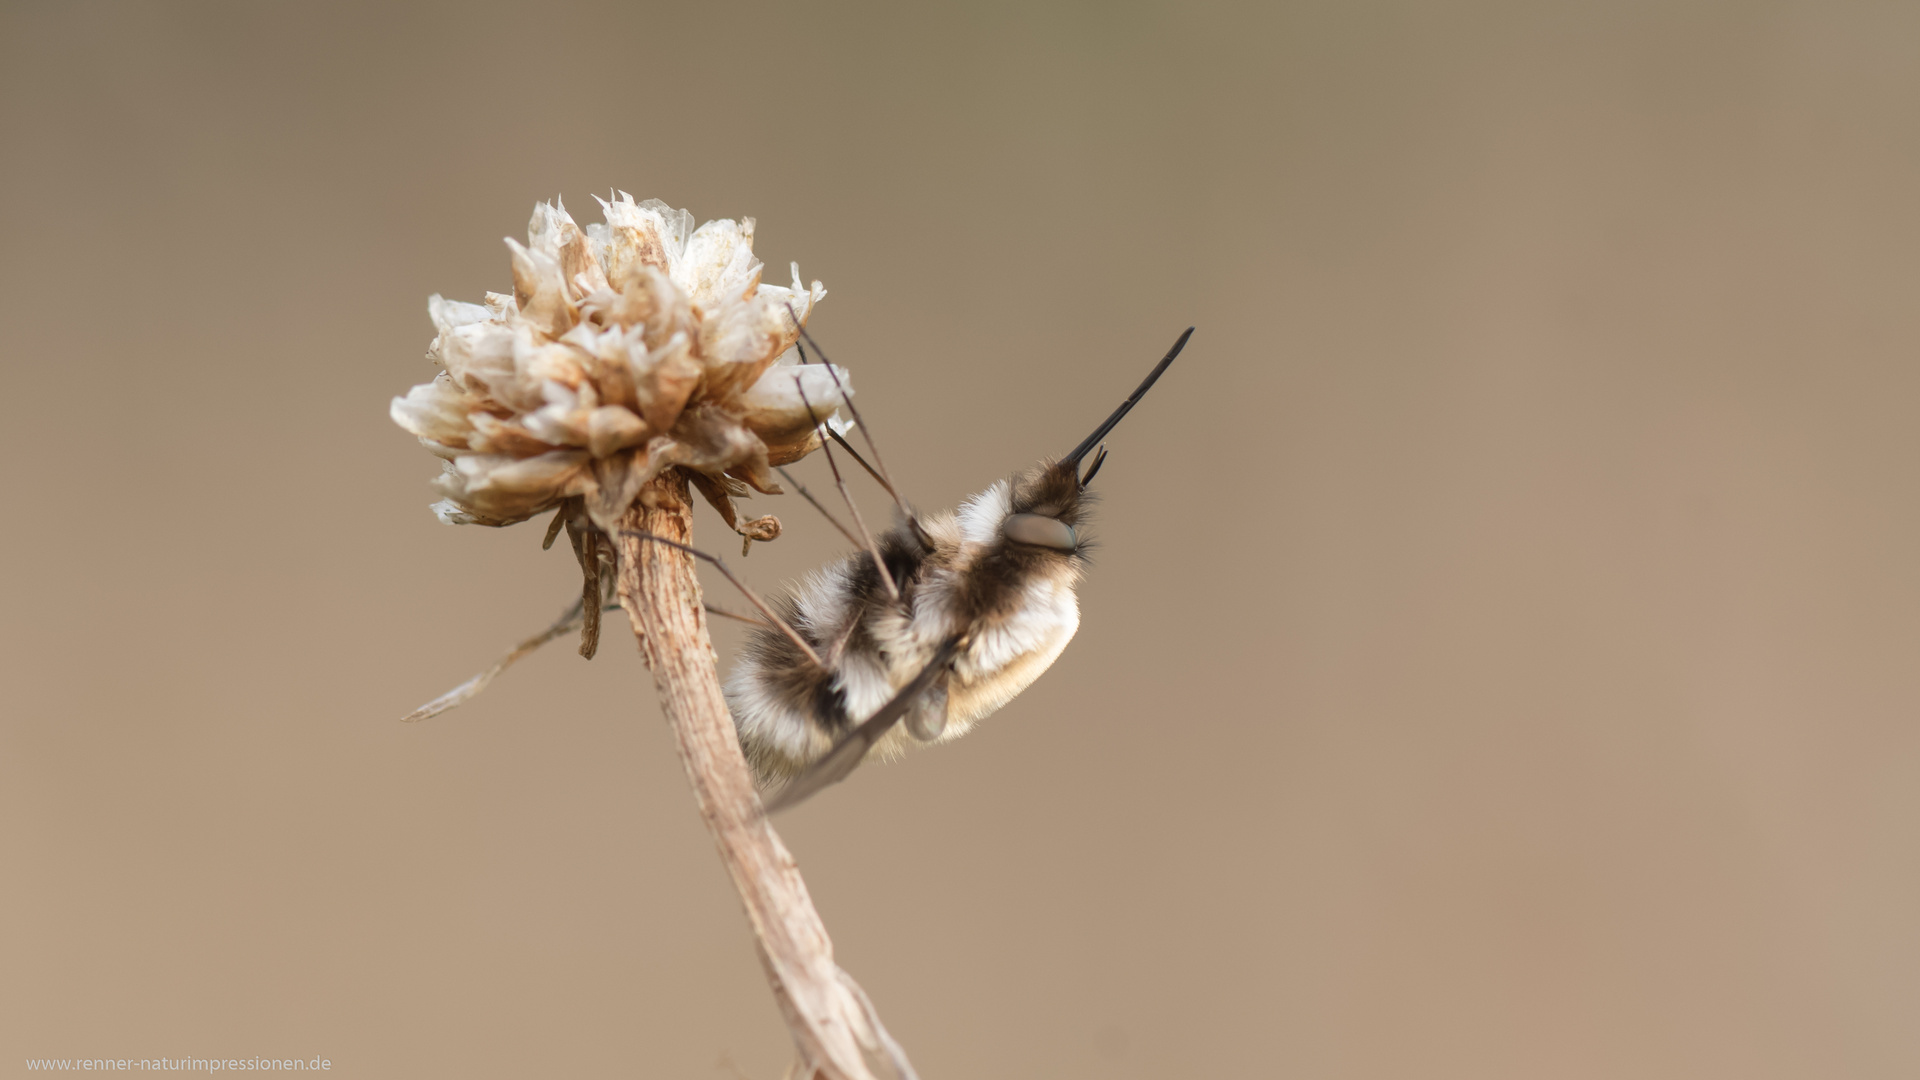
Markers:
point(834, 1026)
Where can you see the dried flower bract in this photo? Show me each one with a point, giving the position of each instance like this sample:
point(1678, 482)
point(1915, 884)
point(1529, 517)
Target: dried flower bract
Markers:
point(624, 349)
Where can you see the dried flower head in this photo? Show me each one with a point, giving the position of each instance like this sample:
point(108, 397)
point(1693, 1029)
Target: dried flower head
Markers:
point(624, 349)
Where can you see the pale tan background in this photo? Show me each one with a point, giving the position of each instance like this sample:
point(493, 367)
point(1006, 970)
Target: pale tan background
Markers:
point(1500, 660)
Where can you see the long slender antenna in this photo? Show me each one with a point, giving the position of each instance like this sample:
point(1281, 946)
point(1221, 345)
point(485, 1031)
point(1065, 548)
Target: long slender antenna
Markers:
point(873, 549)
point(1078, 452)
point(808, 495)
point(720, 564)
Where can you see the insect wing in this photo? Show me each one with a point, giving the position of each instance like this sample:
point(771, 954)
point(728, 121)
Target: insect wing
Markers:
point(848, 752)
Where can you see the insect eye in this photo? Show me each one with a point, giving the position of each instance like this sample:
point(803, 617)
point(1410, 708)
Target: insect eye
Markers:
point(1040, 531)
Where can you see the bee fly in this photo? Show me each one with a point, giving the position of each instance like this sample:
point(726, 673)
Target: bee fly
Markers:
point(938, 623)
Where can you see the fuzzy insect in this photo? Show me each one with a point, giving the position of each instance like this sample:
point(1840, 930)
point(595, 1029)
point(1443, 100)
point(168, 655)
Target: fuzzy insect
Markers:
point(935, 625)
point(940, 623)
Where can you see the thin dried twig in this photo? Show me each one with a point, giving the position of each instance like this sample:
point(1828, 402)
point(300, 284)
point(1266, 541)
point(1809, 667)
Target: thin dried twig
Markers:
point(835, 1027)
point(586, 548)
point(569, 620)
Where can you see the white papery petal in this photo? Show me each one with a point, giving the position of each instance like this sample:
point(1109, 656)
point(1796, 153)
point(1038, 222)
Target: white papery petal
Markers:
point(537, 361)
point(665, 380)
point(492, 435)
point(740, 340)
point(526, 475)
point(552, 233)
point(675, 225)
point(499, 489)
point(447, 314)
point(775, 410)
point(708, 441)
point(435, 411)
point(452, 513)
point(540, 290)
point(719, 258)
point(485, 478)
point(636, 236)
point(616, 481)
point(563, 421)
point(479, 356)
point(611, 428)
point(557, 393)
point(777, 397)
point(548, 230)
point(783, 304)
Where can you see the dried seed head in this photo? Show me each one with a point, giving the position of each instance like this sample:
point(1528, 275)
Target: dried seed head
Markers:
point(625, 348)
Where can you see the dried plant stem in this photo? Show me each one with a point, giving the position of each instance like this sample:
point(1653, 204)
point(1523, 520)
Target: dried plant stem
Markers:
point(834, 1026)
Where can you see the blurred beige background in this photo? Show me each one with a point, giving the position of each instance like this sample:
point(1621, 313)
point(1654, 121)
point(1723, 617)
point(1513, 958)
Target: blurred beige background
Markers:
point(1501, 658)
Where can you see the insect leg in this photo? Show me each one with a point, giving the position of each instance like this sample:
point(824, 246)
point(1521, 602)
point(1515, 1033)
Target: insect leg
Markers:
point(873, 549)
point(832, 434)
point(721, 565)
point(718, 496)
point(866, 433)
point(808, 495)
point(748, 619)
